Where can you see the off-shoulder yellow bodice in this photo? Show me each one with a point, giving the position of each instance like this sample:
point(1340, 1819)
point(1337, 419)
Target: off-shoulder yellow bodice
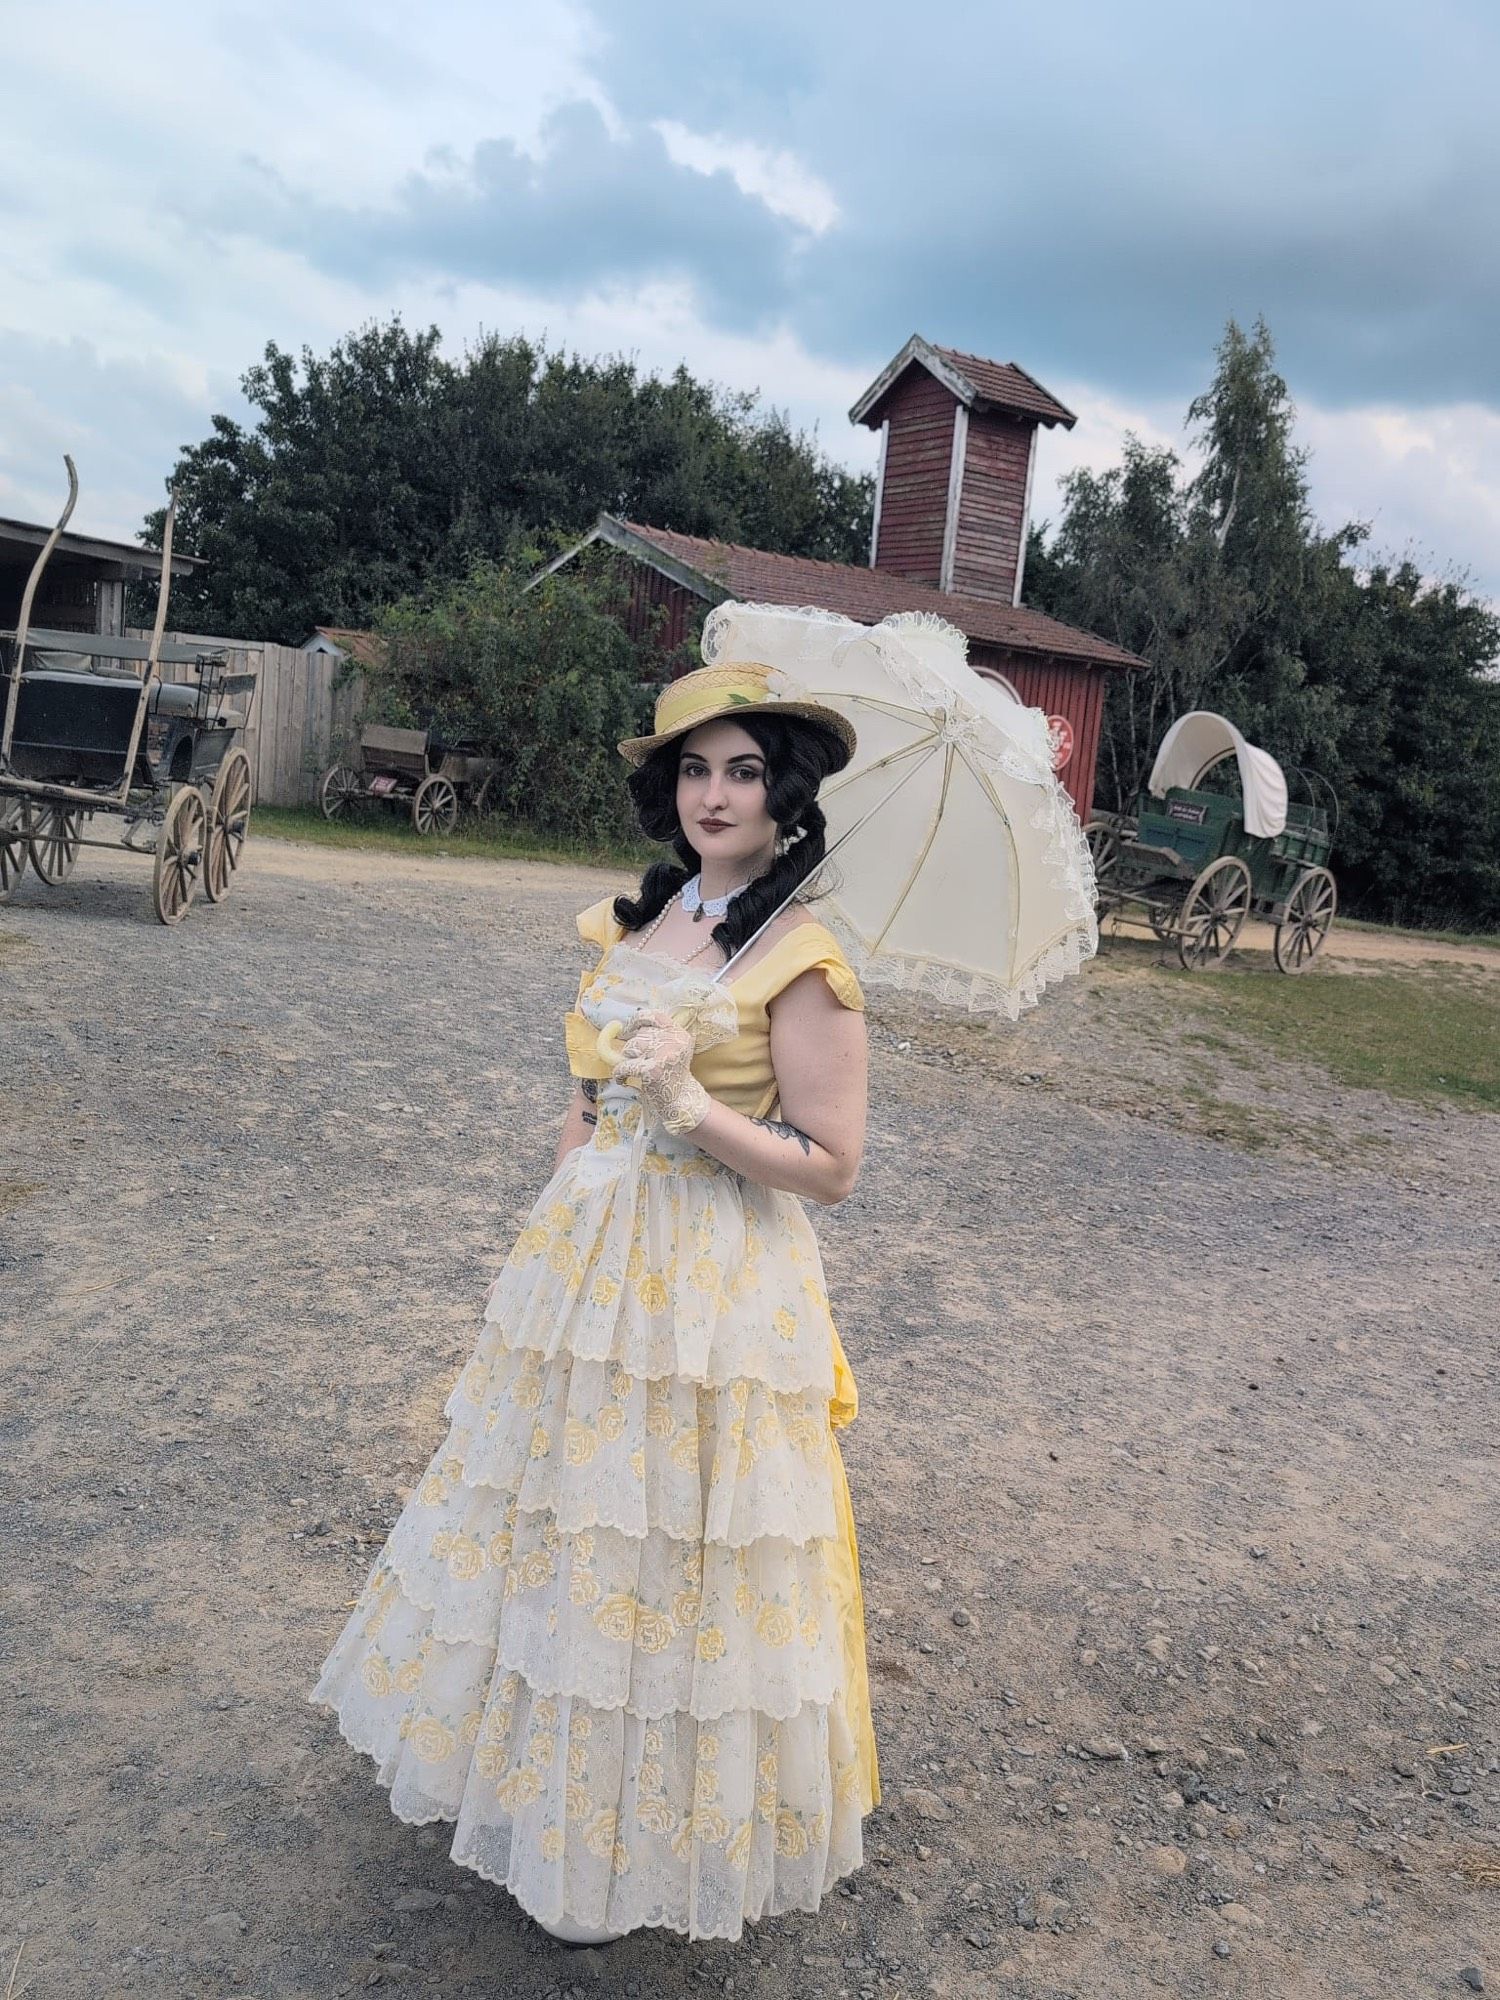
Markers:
point(738, 1072)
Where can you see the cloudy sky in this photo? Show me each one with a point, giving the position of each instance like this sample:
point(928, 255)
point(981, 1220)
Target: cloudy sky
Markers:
point(778, 196)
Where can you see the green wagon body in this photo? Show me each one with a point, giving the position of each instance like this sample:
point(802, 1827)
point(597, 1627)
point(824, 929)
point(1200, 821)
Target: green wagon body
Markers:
point(1186, 862)
point(1176, 837)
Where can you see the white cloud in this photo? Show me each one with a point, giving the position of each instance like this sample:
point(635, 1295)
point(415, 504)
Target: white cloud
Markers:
point(128, 329)
point(786, 185)
point(1426, 480)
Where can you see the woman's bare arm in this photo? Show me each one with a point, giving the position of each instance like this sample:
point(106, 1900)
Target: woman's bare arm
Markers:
point(577, 1126)
point(819, 1053)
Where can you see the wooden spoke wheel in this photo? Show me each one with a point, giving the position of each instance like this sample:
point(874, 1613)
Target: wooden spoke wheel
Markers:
point(12, 845)
point(435, 807)
point(340, 792)
point(483, 802)
point(56, 835)
point(1104, 845)
point(228, 824)
point(180, 847)
point(1213, 913)
point(1164, 923)
point(1309, 918)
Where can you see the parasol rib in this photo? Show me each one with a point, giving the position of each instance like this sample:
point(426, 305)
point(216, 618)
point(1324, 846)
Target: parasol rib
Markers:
point(848, 833)
point(883, 763)
point(926, 848)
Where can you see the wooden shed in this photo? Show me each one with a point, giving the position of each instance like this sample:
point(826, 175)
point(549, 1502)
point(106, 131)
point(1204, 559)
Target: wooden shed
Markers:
point(952, 507)
point(83, 586)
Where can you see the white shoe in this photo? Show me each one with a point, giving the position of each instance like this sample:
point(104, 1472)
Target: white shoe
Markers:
point(566, 1931)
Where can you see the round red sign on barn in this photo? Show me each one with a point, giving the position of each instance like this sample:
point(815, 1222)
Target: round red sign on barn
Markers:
point(1061, 732)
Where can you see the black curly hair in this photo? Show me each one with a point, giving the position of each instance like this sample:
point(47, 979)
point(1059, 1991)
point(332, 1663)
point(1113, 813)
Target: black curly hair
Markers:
point(799, 755)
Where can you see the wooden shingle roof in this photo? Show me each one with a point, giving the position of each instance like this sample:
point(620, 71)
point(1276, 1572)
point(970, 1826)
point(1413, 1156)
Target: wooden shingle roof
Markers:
point(1005, 386)
point(716, 570)
point(973, 381)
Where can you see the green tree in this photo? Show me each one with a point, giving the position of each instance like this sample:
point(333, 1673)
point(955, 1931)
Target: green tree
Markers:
point(540, 675)
point(1238, 601)
point(381, 466)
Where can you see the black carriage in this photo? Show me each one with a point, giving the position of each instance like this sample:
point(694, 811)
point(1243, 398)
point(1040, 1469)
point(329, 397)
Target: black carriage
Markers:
point(1215, 838)
point(412, 770)
point(90, 728)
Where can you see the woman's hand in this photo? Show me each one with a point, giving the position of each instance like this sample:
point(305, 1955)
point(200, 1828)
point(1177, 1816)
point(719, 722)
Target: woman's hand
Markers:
point(655, 1060)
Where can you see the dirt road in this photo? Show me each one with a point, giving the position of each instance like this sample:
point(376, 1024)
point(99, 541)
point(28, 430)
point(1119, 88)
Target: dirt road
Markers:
point(1175, 1473)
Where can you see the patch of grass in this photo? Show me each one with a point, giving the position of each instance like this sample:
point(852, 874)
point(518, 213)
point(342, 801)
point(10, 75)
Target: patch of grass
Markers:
point(14, 1193)
point(492, 842)
point(1213, 1117)
point(1412, 1034)
point(1206, 1115)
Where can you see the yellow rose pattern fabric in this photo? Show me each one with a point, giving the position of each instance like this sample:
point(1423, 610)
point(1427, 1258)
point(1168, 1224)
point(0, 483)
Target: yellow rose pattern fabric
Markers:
point(615, 1635)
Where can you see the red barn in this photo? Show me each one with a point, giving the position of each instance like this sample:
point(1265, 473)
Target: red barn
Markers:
point(952, 507)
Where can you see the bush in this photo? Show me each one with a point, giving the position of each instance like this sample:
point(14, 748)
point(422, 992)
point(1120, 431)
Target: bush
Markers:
point(546, 680)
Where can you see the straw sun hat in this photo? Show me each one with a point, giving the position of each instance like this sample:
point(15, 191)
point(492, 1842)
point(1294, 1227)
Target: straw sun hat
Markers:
point(733, 688)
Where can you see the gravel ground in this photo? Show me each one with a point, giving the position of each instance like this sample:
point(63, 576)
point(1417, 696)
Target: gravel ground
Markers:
point(1175, 1473)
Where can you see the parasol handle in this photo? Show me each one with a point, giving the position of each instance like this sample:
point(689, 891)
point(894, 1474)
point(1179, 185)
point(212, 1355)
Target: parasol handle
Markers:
point(613, 1033)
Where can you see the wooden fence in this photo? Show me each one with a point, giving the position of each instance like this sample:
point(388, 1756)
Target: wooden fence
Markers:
point(300, 721)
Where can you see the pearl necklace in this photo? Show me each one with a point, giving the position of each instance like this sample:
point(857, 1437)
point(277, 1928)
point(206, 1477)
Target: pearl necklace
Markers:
point(655, 925)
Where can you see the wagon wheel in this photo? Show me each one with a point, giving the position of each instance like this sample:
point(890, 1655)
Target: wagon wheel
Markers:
point(179, 853)
point(56, 835)
point(340, 792)
point(228, 824)
point(1213, 913)
point(12, 845)
point(483, 800)
point(1104, 845)
point(1165, 923)
point(435, 807)
point(1309, 918)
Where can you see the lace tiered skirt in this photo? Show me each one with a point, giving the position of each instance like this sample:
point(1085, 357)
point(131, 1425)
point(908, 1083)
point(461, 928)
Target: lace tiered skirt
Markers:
point(616, 1632)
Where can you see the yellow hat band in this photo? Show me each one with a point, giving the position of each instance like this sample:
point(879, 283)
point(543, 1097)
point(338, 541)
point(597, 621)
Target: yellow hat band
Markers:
point(710, 692)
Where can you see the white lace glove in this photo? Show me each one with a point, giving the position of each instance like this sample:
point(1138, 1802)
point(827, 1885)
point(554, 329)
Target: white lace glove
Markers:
point(655, 1060)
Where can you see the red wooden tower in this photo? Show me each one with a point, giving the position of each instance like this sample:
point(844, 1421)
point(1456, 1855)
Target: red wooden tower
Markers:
point(952, 511)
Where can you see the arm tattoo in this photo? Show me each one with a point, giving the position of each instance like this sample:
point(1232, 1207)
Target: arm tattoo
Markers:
point(589, 1088)
point(784, 1131)
point(589, 1118)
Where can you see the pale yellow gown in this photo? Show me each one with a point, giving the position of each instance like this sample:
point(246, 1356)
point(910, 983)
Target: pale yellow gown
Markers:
point(616, 1634)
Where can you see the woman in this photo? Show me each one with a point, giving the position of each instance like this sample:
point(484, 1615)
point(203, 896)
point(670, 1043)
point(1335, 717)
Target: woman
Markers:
point(616, 1634)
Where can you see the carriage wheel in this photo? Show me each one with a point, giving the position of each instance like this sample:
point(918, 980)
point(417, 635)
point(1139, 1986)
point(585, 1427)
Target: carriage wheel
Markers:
point(340, 792)
point(228, 824)
point(12, 845)
point(1104, 845)
point(1213, 913)
point(56, 834)
point(483, 801)
point(1164, 923)
point(1309, 918)
point(435, 807)
point(180, 849)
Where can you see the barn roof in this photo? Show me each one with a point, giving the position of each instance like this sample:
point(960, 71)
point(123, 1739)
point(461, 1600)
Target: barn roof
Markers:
point(977, 384)
point(716, 570)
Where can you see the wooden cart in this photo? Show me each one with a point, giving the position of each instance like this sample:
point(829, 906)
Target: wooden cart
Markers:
point(90, 728)
point(1215, 838)
point(410, 769)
